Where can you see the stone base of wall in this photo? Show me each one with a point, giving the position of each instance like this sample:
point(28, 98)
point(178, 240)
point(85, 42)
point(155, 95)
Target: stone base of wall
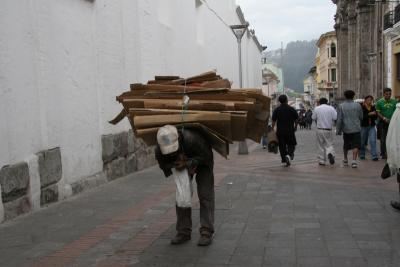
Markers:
point(14, 181)
point(24, 185)
point(89, 183)
point(124, 154)
point(17, 207)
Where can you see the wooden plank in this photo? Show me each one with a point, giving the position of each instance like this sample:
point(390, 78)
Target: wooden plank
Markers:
point(220, 123)
point(156, 120)
point(166, 78)
point(262, 115)
point(238, 127)
point(190, 92)
point(222, 83)
point(166, 87)
point(220, 96)
point(205, 75)
point(256, 131)
point(218, 143)
point(119, 117)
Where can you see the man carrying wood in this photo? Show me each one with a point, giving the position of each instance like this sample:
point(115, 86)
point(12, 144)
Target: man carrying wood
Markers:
point(187, 148)
point(286, 119)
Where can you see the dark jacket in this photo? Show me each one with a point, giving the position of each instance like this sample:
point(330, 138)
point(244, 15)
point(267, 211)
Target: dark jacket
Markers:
point(368, 120)
point(285, 117)
point(194, 146)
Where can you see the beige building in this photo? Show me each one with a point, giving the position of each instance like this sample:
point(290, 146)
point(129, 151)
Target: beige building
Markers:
point(311, 92)
point(326, 63)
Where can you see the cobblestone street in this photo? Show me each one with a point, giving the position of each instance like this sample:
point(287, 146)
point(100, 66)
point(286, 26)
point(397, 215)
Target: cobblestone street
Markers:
point(267, 215)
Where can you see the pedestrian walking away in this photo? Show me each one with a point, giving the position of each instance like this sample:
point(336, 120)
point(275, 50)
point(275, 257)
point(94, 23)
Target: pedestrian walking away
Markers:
point(368, 129)
point(385, 108)
point(349, 119)
point(325, 117)
point(188, 149)
point(309, 119)
point(285, 118)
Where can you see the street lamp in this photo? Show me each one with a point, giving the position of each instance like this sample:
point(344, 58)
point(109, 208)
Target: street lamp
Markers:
point(372, 61)
point(239, 31)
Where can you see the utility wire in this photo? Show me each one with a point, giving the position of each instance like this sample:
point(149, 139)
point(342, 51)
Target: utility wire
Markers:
point(215, 13)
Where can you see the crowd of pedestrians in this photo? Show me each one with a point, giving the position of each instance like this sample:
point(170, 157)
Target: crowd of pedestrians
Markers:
point(360, 124)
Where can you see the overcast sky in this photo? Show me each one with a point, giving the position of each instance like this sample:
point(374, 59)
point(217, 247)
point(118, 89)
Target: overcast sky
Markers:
point(277, 21)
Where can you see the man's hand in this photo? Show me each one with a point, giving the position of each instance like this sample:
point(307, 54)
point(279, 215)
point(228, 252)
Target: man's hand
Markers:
point(180, 163)
point(339, 133)
point(386, 120)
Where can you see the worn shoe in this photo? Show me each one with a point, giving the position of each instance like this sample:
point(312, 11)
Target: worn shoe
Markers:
point(287, 158)
point(205, 240)
point(345, 162)
point(395, 205)
point(375, 159)
point(180, 239)
point(354, 164)
point(321, 163)
point(291, 156)
point(386, 172)
point(331, 159)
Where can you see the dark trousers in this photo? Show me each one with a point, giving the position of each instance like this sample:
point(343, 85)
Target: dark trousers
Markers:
point(205, 192)
point(287, 145)
point(383, 128)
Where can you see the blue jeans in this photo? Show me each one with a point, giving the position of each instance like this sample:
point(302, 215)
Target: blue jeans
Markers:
point(368, 134)
point(264, 140)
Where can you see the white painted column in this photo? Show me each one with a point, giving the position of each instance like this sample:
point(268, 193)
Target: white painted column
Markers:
point(1, 208)
point(34, 182)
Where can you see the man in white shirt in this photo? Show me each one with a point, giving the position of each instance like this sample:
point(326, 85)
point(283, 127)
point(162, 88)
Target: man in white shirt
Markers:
point(325, 116)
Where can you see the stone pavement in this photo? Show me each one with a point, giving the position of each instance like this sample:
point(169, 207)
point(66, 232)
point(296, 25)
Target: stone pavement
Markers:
point(267, 215)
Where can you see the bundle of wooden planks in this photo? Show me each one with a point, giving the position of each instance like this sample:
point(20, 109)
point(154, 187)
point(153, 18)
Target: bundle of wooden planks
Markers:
point(205, 102)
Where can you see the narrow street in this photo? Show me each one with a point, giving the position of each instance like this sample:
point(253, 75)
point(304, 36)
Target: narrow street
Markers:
point(267, 215)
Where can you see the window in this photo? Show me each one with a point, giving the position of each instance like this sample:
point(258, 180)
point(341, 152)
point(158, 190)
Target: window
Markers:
point(333, 50)
point(398, 66)
point(333, 75)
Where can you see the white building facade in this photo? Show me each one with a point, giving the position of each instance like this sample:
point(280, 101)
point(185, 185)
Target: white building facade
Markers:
point(63, 62)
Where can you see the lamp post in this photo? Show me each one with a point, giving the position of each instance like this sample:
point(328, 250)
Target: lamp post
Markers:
point(239, 31)
point(372, 62)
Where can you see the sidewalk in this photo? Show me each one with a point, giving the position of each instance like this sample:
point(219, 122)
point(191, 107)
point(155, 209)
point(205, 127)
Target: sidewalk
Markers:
point(266, 215)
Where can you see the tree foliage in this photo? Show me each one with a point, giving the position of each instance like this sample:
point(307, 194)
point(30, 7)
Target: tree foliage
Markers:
point(298, 58)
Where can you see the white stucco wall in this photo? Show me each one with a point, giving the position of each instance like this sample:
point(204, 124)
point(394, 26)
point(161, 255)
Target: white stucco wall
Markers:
point(62, 62)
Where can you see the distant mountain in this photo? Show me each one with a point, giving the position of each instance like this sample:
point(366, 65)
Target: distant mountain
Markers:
point(298, 57)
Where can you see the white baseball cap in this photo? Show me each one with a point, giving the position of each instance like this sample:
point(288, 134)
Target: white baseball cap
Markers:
point(167, 139)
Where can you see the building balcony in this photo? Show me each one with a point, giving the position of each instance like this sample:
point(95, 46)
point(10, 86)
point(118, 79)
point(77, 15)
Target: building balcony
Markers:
point(396, 14)
point(325, 85)
point(388, 20)
point(391, 23)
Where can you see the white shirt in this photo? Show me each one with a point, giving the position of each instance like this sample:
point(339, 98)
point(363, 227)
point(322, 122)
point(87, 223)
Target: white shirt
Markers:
point(325, 116)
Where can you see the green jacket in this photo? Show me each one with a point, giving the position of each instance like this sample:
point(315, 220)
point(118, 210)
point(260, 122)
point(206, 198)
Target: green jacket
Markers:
point(386, 108)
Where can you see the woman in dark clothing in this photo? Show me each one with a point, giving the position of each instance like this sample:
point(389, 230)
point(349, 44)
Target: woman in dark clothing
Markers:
point(308, 119)
point(368, 130)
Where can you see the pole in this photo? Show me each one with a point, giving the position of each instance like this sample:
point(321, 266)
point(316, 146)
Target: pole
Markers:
point(240, 62)
point(243, 149)
point(239, 31)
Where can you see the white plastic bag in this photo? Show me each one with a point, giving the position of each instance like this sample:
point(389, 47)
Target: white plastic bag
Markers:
point(184, 188)
point(393, 142)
